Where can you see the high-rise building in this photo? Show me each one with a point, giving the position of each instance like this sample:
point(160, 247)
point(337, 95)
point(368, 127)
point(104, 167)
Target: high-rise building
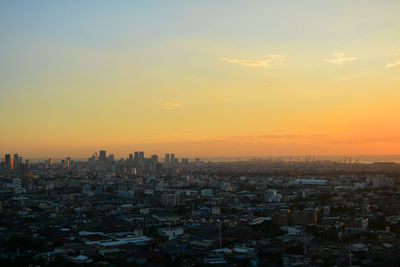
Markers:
point(166, 159)
point(141, 159)
point(16, 159)
point(63, 164)
point(50, 162)
point(103, 155)
point(136, 157)
point(172, 158)
point(23, 170)
point(8, 161)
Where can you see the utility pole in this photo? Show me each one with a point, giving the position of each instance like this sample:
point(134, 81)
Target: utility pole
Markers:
point(220, 236)
point(350, 254)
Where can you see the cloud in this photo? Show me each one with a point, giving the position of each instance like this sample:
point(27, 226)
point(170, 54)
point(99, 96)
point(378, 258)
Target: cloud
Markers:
point(340, 58)
point(267, 62)
point(393, 64)
point(168, 105)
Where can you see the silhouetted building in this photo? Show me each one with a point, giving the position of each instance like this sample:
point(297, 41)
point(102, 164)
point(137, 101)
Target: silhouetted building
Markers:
point(103, 155)
point(141, 159)
point(136, 157)
point(8, 162)
point(16, 159)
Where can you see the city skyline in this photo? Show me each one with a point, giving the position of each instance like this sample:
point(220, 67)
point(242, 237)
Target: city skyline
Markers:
point(9, 159)
point(202, 79)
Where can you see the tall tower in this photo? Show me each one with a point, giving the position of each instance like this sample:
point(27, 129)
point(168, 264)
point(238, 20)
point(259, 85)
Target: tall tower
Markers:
point(103, 155)
point(136, 158)
point(141, 159)
point(16, 159)
point(166, 159)
point(8, 161)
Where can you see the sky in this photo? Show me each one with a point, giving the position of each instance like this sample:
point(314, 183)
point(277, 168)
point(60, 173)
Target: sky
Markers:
point(200, 78)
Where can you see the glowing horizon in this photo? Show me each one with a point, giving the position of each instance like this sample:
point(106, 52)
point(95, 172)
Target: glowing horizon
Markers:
point(200, 79)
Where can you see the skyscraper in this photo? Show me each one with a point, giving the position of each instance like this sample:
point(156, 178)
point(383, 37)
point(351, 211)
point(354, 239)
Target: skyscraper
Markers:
point(8, 161)
point(172, 158)
point(141, 159)
point(103, 155)
point(136, 157)
point(166, 159)
point(16, 159)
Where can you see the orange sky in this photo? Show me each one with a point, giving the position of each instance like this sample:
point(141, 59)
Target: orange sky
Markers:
point(261, 79)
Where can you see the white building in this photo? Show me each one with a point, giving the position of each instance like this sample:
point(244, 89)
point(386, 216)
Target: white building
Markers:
point(272, 196)
point(171, 234)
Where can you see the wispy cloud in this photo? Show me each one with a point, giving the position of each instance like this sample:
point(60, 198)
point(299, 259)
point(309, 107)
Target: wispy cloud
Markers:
point(267, 61)
point(168, 105)
point(393, 64)
point(339, 58)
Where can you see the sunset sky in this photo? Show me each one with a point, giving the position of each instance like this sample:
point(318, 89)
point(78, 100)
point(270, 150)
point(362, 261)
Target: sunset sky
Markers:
point(200, 78)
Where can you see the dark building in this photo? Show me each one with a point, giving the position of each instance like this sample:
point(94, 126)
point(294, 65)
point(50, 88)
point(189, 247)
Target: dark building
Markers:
point(103, 155)
point(9, 162)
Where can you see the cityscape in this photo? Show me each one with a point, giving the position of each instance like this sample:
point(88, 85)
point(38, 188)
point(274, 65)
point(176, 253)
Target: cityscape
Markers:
point(188, 133)
point(143, 210)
